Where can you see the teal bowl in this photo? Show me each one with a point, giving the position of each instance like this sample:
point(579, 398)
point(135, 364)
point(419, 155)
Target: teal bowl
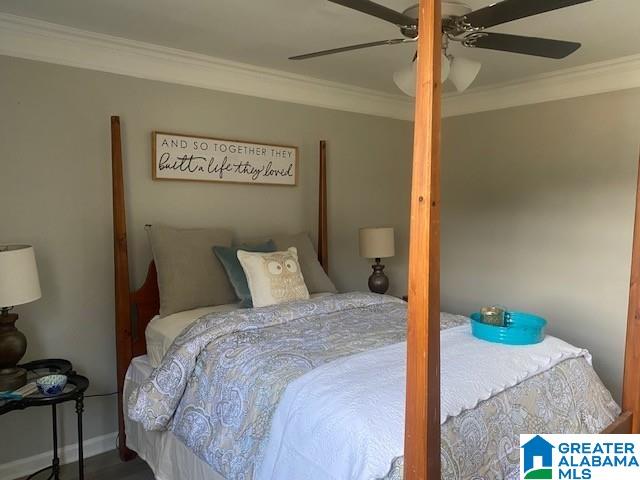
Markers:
point(51, 385)
point(521, 329)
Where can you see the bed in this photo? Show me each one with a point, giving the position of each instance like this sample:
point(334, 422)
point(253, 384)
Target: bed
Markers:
point(162, 331)
point(268, 395)
point(164, 380)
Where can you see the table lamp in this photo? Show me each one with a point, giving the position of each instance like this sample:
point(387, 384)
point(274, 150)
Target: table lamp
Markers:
point(19, 284)
point(377, 242)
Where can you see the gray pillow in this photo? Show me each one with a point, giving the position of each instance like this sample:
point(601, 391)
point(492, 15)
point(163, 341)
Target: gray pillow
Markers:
point(228, 256)
point(314, 276)
point(189, 274)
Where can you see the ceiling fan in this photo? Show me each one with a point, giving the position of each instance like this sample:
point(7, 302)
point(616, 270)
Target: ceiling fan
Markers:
point(461, 24)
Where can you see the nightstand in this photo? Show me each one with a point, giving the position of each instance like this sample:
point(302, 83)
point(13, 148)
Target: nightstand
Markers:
point(73, 392)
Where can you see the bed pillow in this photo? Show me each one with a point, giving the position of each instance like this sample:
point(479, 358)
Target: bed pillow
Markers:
point(314, 275)
point(189, 274)
point(273, 277)
point(228, 256)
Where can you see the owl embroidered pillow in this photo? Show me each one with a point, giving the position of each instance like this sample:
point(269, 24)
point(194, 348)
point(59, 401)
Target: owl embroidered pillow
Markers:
point(273, 277)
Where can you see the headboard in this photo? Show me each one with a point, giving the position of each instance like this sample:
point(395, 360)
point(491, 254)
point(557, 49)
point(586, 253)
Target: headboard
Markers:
point(135, 309)
point(144, 304)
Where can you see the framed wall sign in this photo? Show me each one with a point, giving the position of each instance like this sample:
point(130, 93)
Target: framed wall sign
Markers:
point(185, 157)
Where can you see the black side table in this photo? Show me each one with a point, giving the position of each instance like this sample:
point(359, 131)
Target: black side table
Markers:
point(73, 391)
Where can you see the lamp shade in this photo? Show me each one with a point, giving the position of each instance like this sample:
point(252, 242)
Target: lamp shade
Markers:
point(405, 78)
point(463, 72)
point(445, 67)
point(19, 282)
point(377, 242)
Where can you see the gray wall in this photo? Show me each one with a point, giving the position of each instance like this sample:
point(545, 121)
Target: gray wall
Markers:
point(55, 188)
point(537, 214)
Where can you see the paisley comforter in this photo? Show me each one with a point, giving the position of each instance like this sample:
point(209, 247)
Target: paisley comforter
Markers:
point(220, 383)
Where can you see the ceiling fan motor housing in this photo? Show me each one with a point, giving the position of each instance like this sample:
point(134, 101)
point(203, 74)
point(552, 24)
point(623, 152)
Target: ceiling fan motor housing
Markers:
point(450, 11)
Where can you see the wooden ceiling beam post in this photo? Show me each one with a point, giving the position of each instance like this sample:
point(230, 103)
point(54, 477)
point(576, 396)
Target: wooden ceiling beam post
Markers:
point(422, 421)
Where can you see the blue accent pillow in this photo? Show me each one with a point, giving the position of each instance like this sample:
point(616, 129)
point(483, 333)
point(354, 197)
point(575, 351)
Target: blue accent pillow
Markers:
point(228, 256)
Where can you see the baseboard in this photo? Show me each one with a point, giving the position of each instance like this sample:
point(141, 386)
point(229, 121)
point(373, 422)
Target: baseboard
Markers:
point(68, 454)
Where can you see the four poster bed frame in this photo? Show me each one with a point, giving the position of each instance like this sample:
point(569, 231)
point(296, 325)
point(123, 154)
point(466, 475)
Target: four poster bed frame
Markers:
point(135, 309)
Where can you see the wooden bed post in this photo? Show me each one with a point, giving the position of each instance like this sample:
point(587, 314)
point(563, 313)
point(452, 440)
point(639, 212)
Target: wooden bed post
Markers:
point(323, 252)
point(631, 383)
point(422, 420)
point(145, 301)
point(121, 270)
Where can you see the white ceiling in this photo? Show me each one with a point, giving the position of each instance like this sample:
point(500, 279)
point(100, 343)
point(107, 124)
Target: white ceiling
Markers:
point(266, 32)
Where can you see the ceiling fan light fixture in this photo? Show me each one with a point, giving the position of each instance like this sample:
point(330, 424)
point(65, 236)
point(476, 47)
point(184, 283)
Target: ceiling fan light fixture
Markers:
point(445, 67)
point(405, 78)
point(463, 72)
point(462, 24)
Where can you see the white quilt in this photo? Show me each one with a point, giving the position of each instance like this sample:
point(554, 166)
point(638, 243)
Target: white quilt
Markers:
point(345, 419)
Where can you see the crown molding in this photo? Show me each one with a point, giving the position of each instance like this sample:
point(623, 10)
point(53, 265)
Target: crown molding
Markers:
point(608, 76)
point(49, 42)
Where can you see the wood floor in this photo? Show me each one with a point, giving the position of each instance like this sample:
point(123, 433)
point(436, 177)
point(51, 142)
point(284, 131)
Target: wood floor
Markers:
point(107, 467)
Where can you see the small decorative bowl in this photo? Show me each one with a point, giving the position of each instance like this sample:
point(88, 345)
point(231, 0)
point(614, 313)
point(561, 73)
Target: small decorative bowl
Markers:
point(51, 385)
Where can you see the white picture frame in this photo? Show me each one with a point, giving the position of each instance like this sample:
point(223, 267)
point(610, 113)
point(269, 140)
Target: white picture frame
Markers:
point(183, 157)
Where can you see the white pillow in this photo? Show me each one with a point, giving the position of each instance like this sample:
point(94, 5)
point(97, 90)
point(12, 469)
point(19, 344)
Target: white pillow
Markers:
point(273, 277)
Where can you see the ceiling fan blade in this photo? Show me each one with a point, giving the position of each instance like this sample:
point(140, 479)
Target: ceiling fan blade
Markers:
point(540, 47)
point(331, 51)
point(380, 11)
point(509, 10)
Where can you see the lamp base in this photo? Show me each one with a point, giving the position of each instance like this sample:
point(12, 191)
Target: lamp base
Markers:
point(13, 345)
point(378, 281)
point(12, 378)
